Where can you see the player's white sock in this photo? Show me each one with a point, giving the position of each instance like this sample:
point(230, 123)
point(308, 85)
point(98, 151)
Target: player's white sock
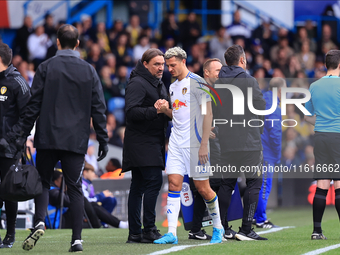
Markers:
point(173, 206)
point(214, 211)
point(123, 224)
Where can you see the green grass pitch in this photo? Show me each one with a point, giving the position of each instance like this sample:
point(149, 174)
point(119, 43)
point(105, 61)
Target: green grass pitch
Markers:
point(112, 241)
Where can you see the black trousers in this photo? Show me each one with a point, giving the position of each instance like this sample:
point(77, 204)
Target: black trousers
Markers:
point(11, 207)
point(97, 213)
point(72, 166)
point(240, 160)
point(145, 181)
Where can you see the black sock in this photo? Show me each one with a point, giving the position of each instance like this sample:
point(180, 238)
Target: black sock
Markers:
point(319, 205)
point(337, 201)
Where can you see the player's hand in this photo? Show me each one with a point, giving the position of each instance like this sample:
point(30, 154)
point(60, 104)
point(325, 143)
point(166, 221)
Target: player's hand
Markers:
point(203, 154)
point(102, 151)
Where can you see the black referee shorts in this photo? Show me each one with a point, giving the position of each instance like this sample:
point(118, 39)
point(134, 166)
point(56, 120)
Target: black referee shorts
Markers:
point(327, 156)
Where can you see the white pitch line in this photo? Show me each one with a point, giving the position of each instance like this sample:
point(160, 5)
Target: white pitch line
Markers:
point(182, 247)
point(322, 250)
point(177, 248)
point(272, 230)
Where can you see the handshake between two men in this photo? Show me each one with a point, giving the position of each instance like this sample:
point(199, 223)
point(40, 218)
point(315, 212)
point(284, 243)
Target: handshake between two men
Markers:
point(162, 106)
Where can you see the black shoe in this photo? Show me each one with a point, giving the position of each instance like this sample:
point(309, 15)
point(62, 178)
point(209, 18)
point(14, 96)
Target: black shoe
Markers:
point(200, 235)
point(76, 246)
point(229, 233)
point(134, 238)
point(8, 241)
point(150, 236)
point(32, 238)
point(266, 224)
point(318, 236)
point(251, 236)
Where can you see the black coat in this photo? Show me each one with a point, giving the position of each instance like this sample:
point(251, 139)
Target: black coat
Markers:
point(145, 129)
point(239, 137)
point(14, 95)
point(66, 93)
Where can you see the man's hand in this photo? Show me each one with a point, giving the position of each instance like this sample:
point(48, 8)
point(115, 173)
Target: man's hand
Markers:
point(161, 105)
point(102, 151)
point(107, 193)
point(3, 144)
point(212, 135)
point(203, 154)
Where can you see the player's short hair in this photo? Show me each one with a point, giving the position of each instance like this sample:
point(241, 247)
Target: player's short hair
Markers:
point(5, 54)
point(68, 36)
point(277, 82)
point(207, 63)
point(176, 52)
point(150, 54)
point(233, 54)
point(332, 59)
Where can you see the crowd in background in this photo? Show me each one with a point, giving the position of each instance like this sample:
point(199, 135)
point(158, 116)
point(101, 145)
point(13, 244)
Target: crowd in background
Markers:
point(270, 52)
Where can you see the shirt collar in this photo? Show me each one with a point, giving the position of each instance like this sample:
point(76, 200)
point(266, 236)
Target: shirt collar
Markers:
point(68, 52)
point(331, 76)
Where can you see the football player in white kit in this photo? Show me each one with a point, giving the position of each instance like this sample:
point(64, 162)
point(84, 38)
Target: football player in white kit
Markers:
point(188, 146)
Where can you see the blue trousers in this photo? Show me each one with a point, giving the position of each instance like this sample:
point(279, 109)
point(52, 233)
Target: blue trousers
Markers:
point(260, 214)
point(109, 203)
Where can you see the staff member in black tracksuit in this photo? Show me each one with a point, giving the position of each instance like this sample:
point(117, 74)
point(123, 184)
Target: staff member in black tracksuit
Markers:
point(211, 69)
point(144, 144)
point(14, 94)
point(66, 93)
point(240, 144)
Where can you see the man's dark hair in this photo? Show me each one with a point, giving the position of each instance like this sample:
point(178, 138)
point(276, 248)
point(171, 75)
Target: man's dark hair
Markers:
point(150, 54)
point(115, 162)
point(332, 59)
point(5, 54)
point(233, 54)
point(68, 36)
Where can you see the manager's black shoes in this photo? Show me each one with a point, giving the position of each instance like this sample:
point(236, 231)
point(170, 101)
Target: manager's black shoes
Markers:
point(150, 236)
point(134, 238)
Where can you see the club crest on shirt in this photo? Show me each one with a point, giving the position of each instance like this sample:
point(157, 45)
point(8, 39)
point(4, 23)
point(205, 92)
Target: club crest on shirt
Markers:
point(184, 90)
point(3, 90)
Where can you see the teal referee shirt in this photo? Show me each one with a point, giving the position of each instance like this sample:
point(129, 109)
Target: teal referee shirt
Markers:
point(325, 104)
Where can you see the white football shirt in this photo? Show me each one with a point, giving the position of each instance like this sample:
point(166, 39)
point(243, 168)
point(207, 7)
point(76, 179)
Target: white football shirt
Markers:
point(187, 96)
